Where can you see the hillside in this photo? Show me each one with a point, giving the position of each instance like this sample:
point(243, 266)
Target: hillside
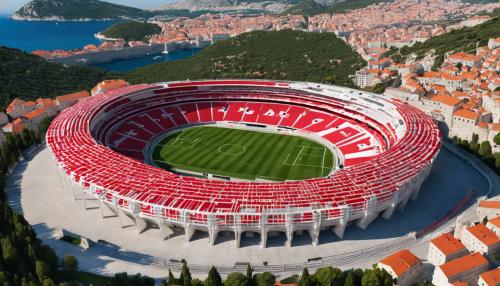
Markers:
point(29, 77)
point(268, 6)
point(282, 55)
point(312, 7)
point(76, 10)
point(131, 30)
point(462, 40)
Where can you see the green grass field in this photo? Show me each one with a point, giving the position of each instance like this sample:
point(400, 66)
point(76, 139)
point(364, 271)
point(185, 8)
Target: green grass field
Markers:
point(243, 154)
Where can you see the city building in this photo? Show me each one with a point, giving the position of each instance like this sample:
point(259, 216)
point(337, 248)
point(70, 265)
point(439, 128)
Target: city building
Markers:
point(108, 85)
point(488, 208)
point(445, 248)
point(464, 269)
point(67, 100)
point(404, 266)
point(494, 225)
point(478, 238)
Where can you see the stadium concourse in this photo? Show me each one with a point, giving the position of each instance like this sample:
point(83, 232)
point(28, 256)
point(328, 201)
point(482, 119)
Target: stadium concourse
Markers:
point(384, 151)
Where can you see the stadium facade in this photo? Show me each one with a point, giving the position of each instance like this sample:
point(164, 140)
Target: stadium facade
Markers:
point(384, 152)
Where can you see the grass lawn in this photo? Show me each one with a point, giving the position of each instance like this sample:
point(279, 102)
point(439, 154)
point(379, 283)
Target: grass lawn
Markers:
point(243, 154)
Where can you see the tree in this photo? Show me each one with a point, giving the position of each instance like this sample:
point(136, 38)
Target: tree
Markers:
point(305, 279)
point(370, 278)
point(329, 276)
point(485, 149)
point(474, 143)
point(48, 282)
point(70, 264)
point(42, 271)
point(236, 279)
point(213, 278)
point(496, 139)
point(265, 279)
point(185, 278)
point(349, 281)
point(250, 281)
point(171, 279)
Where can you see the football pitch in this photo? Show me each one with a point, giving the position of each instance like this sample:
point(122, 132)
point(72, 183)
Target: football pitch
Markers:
point(244, 154)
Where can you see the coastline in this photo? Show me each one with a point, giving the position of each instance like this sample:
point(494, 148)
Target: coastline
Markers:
point(54, 19)
point(104, 38)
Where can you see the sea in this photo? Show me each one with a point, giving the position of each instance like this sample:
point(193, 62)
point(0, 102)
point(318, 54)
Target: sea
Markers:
point(52, 35)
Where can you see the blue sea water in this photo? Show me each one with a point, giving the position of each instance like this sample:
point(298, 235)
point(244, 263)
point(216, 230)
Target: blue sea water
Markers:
point(50, 35)
point(130, 64)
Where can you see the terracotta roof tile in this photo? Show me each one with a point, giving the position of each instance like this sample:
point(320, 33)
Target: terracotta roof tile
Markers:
point(448, 244)
point(484, 234)
point(490, 204)
point(462, 264)
point(401, 261)
point(73, 96)
point(447, 100)
point(492, 277)
point(464, 113)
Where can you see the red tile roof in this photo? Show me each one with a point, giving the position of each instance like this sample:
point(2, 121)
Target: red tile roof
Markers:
point(495, 221)
point(492, 278)
point(464, 113)
point(484, 234)
point(448, 244)
point(462, 264)
point(35, 113)
point(447, 100)
point(401, 261)
point(490, 204)
point(73, 96)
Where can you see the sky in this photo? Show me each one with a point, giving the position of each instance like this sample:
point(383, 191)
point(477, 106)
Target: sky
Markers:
point(9, 6)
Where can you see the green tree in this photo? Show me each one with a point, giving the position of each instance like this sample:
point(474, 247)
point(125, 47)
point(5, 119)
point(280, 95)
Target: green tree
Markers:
point(196, 282)
point(370, 278)
point(49, 282)
point(236, 279)
point(496, 139)
point(250, 281)
point(485, 149)
point(42, 271)
point(305, 279)
point(349, 281)
point(171, 278)
point(329, 276)
point(185, 278)
point(265, 279)
point(213, 278)
point(474, 143)
point(70, 264)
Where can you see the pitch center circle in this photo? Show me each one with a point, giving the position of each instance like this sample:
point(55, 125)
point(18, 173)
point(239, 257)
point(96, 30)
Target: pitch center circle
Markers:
point(232, 149)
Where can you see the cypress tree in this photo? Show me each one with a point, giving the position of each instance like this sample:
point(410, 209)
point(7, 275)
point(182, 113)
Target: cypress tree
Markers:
point(213, 278)
point(249, 275)
point(186, 275)
point(305, 279)
point(349, 281)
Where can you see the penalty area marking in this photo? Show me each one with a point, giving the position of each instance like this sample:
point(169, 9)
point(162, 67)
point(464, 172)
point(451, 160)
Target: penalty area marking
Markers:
point(232, 149)
point(301, 154)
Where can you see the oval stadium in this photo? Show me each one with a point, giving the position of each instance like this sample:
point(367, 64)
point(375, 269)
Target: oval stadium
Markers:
point(245, 155)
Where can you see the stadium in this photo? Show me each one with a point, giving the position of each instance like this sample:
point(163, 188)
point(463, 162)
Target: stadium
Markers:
point(245, 155)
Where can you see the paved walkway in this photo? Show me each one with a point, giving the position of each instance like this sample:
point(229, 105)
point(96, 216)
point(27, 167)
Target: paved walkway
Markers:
point(35, 190)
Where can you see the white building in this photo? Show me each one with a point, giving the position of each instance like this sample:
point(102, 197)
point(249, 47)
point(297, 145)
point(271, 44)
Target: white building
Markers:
point(478, 238)
point(489, 208)
point(363, 78)
point(445, 248)
point(404, 266)
point(494, 225)
point(463, 122)
point(465, 269)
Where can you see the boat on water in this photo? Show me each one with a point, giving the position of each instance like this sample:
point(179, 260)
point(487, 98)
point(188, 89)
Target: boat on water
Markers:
point(157, 57)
